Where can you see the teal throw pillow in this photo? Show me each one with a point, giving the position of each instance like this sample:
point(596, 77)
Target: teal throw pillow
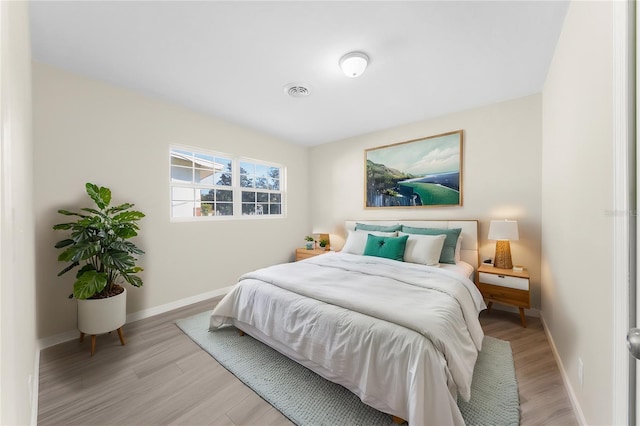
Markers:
point(448, 253)
point(379, 228)
point(388, 247)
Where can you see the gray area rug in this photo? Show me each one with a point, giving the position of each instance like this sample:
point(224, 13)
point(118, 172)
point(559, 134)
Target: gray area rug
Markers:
point(308, 399)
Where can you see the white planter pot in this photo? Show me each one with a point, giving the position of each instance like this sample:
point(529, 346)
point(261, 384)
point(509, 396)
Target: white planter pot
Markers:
point(98, 316)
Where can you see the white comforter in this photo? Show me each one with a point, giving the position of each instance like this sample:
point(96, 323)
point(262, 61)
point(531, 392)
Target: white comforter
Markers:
point(402, 337)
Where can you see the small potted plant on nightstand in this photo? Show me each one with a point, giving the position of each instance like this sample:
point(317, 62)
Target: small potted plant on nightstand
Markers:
point(323, 243)
point(310, 242)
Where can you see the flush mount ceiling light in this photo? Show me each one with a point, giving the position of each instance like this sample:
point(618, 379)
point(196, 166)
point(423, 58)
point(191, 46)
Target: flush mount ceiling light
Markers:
point(353, 64)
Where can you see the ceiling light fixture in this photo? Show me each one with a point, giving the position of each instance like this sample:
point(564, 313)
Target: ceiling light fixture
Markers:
point(353, 64)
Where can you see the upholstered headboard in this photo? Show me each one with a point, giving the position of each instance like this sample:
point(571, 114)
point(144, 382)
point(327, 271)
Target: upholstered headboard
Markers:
point(469, 233)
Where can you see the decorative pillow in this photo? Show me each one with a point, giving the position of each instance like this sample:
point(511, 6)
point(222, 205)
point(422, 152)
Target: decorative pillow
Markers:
point(389, 247)
point(378, 228)
point(357, 240)
point(458, 248)
point(448, 254)
point(423, 249)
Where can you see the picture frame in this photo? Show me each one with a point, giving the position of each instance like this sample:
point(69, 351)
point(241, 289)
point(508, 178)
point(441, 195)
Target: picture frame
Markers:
point(425, 172)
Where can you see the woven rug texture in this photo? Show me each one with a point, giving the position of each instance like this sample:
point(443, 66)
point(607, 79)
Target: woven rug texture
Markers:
point(308, 399)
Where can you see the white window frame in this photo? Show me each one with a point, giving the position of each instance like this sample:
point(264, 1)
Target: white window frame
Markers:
point(235, 187)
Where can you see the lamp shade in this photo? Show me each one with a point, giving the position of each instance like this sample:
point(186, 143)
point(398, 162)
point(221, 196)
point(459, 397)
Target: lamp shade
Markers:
point(503, 230)
point(353, 64)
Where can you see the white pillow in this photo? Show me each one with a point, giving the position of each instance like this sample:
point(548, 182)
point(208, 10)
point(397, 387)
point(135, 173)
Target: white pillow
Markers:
point(357, 240)
point(456, 255)
point(423, 249)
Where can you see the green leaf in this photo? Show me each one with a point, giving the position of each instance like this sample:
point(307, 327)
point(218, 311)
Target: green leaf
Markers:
point(92, 191)
point(88, 284)
point(94, 211)
point(79, 251)
point(83, 234)
point(68, 213)
point(105, 195)
point(63, 226)
point(119, 208)
point(128, 216)
point(132, 248)
point(126, 246)
point(68, 268)
point(67, 255)
point(125, 232)
point(134, 280)
point(85, 268)
point(100, 195)
point(117, 259)
point(64, 243)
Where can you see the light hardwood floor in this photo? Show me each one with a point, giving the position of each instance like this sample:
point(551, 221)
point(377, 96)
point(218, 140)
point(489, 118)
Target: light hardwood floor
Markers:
point(161, 377)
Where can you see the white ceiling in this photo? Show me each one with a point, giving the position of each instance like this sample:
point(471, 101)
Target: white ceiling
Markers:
point(232, 59)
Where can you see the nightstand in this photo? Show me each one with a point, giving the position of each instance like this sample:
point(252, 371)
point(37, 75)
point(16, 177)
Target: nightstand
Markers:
point(303, 253)
point(505, 286)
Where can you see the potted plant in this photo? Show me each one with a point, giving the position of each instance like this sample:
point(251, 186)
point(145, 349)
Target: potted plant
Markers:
point(98, 245)
point(310, 242)
point(323, 243)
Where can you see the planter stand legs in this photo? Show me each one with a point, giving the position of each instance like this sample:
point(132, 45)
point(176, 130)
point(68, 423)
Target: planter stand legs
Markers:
point(121, 336)
point(93, 340)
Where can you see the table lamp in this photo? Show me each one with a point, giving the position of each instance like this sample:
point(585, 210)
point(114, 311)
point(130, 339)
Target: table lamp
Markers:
point(503, 231)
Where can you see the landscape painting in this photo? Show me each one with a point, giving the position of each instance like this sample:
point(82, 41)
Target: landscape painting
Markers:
point(417, 173)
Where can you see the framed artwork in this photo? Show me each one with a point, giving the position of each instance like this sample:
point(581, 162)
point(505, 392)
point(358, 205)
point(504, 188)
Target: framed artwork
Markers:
point(424, 172)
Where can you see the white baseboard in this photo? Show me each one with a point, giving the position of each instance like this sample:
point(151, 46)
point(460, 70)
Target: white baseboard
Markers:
point(137, 316)
point(157, 310)
point(46, 342)
point(527, 312)
point(565, 378)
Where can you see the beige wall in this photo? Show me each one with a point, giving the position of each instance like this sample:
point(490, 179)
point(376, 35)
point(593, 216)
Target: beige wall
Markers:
point(501, 176)
point(18, 345)
point(576, 195)
point(87, 130)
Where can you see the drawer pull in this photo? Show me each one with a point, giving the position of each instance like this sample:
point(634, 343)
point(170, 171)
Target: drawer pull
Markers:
point(501, 276)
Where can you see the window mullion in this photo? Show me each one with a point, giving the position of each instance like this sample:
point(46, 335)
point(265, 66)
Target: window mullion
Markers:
point(235, 182)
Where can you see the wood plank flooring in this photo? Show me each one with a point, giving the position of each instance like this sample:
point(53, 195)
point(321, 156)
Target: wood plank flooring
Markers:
point(543, 397)
point(162, 378)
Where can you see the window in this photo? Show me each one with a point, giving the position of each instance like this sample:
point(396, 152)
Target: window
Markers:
point(260, 186)
point(221, 185)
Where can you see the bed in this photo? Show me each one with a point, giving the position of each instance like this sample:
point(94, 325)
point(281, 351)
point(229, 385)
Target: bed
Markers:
point(402, 336)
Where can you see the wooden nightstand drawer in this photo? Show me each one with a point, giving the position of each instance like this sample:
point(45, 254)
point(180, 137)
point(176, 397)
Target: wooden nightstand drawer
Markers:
point(303, 253)
point(508, 295)
point(504, 281)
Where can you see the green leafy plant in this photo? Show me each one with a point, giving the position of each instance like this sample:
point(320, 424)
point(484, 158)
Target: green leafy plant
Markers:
point(98, 245)
point(309, 238)
point(323, 243)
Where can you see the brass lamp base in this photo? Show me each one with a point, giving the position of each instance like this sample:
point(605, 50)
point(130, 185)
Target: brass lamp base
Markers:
point(502, 258)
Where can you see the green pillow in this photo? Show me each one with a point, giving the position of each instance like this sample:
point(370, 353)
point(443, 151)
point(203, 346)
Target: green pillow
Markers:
point(389, 247)
point(448, 253)
point(379, 228)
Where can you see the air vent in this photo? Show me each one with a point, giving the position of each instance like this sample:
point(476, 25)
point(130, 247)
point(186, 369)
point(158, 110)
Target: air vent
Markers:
point(297, 90)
